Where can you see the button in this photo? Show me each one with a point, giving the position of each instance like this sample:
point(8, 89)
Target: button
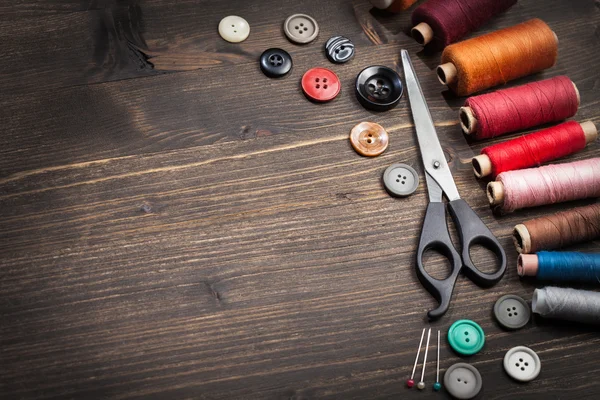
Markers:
point(339, 49)
point(301, 28)
point(466, 337)
point(378, 88)
point(275, 63)
point(512, 312)
point(522, 364)
point(400, 180)
point(320, 84)
point(463, 381)
point(369, 139)
point(234, 29)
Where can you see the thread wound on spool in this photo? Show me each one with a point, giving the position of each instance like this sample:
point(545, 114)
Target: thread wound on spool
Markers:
point(549, 184)
point(533, 149)
point(509, 110)
point(501, 56)
point(566, 266)
point(568, 304)
point(558, 230)
point(450, 20)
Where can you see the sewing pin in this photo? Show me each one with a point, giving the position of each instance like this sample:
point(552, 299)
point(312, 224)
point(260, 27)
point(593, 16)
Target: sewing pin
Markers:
point(437, 385)
point(421, 385)
point(410, 383)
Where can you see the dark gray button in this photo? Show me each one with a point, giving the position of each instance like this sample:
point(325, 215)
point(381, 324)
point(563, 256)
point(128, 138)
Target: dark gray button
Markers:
point(275, 63)
point(512, 312)
point(339, 49)
point(522, 364)
point(463, 381)
point(400, 180)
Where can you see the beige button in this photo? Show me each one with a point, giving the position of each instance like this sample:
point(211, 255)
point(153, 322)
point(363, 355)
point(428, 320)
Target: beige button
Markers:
point(234, 29)
point(369, 139)
point(301, 28)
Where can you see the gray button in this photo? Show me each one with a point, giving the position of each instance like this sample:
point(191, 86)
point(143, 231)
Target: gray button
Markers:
point(339, 49)
point(400, 180)
point(522, 364)
point(512, 312)
point(463, 381)
point(301, 28)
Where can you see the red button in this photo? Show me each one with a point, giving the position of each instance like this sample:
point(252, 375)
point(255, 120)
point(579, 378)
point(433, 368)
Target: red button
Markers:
point(321, 84)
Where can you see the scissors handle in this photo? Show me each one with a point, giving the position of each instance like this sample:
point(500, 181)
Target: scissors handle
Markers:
point(472, 231)
point(435, 236)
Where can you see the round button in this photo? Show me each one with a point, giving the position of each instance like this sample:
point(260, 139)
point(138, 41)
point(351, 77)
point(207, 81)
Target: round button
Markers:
point(275, 63)
point(463, 381)
point(234, 29)
point(369, 139)
point(400, 180)
point(512, 312)
point(378, 88)
point(301, 28)
point(466, 337)
point(522, 364)
point(339, 49)
point(321, 84)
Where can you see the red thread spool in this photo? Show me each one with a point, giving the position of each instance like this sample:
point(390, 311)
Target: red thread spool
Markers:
point(441, 22)
point(534, 149)
point(509, 110)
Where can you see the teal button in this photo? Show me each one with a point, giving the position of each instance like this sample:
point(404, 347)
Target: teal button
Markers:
point(466, 337)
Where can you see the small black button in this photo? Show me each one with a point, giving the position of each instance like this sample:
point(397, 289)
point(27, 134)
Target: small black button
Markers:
point(339, 49)
point(378, 88)
point(275, 63)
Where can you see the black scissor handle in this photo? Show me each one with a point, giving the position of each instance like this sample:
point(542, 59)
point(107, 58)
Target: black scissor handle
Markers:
point(435, 236)
point(471, 231)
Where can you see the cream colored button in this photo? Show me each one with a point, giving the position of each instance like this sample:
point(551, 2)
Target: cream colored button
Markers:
point(301, 28)
point(234, 29)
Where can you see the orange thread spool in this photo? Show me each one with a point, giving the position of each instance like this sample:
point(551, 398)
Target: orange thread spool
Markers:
point(498, 57)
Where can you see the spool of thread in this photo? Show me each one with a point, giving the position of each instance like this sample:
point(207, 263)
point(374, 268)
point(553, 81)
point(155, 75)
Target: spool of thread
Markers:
point(534, 149)
point(550, 184)
point(498, 57)
point(393, 5)
point(441, 22)
point(522, 107)
point(562, 229)
point(568, 304)
point(560, 266)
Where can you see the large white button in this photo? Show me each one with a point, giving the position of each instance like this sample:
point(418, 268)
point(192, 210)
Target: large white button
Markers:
point(234, 29)
point(522, 364)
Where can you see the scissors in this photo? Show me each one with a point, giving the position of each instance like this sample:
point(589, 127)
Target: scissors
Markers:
point(434, 234)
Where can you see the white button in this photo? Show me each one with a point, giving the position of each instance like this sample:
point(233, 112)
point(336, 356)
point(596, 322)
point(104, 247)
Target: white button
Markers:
point(522, 364)
point(234, 29)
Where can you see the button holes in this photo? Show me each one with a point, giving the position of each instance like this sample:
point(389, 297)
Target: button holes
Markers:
point(369, 140)
point(466, 333)
point(522, 368)
point(318, 86)
point(466, 382)
point(371, 135)
point(399, 176)
point(520, 359)
point(397, 180)
point(324, 86)
point(516, 313)
point(337, 51)
point(404, 177)
point(301, 24)
point(508, 309)
point(514, 308)
point(403, 182)
point(324, 79)
point(509, 314)
point(379, 82)
point(458, 379)
point(467, 340)
point(234, 31)
point(297, 27)
point(527, 364)
point(305, 29)
point(517, 365)
point(233, 26)
point(316, 79)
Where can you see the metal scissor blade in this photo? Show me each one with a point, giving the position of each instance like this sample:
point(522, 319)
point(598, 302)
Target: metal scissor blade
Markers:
point(434, 160)
point(434, 191)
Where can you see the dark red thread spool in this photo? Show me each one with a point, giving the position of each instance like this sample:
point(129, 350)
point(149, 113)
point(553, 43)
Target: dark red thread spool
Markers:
point(509, 110)
point(441, 22)
point(534, 149)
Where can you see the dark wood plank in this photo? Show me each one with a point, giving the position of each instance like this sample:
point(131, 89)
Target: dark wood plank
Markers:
point(209, 233)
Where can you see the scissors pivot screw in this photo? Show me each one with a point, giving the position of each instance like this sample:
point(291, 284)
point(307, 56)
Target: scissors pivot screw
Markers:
point(436, 164)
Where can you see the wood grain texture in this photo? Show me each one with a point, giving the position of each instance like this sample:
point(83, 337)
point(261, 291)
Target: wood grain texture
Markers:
point(173, 224)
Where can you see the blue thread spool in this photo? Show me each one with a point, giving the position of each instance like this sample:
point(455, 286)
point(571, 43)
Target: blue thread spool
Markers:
point(560, 266)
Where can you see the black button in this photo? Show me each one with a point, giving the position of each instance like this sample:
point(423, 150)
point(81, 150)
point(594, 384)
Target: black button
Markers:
point(275, 63)
point(339, 49)
point(378, 88)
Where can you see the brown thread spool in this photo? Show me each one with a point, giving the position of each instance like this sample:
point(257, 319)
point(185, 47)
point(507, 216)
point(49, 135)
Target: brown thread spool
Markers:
point(498, 57)
point(482, 164)
point(558, 230)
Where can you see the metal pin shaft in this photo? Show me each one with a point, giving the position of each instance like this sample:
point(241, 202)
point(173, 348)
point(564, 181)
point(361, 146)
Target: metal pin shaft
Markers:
point(421, 384)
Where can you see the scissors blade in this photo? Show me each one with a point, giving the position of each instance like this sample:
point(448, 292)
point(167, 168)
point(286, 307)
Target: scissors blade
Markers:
point(433, 156)
point(434, 190)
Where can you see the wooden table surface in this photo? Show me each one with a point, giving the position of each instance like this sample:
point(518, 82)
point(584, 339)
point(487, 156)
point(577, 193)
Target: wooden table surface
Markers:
point(174, 224)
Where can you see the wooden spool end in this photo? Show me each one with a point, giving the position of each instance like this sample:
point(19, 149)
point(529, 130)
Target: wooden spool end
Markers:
point(467, 119)
point(422, 33)
point(527, 265)
point(447, 73)
point(495, 193)
point(577, 93)
point(482, 166)
point(522, 239)
point(590, 131)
